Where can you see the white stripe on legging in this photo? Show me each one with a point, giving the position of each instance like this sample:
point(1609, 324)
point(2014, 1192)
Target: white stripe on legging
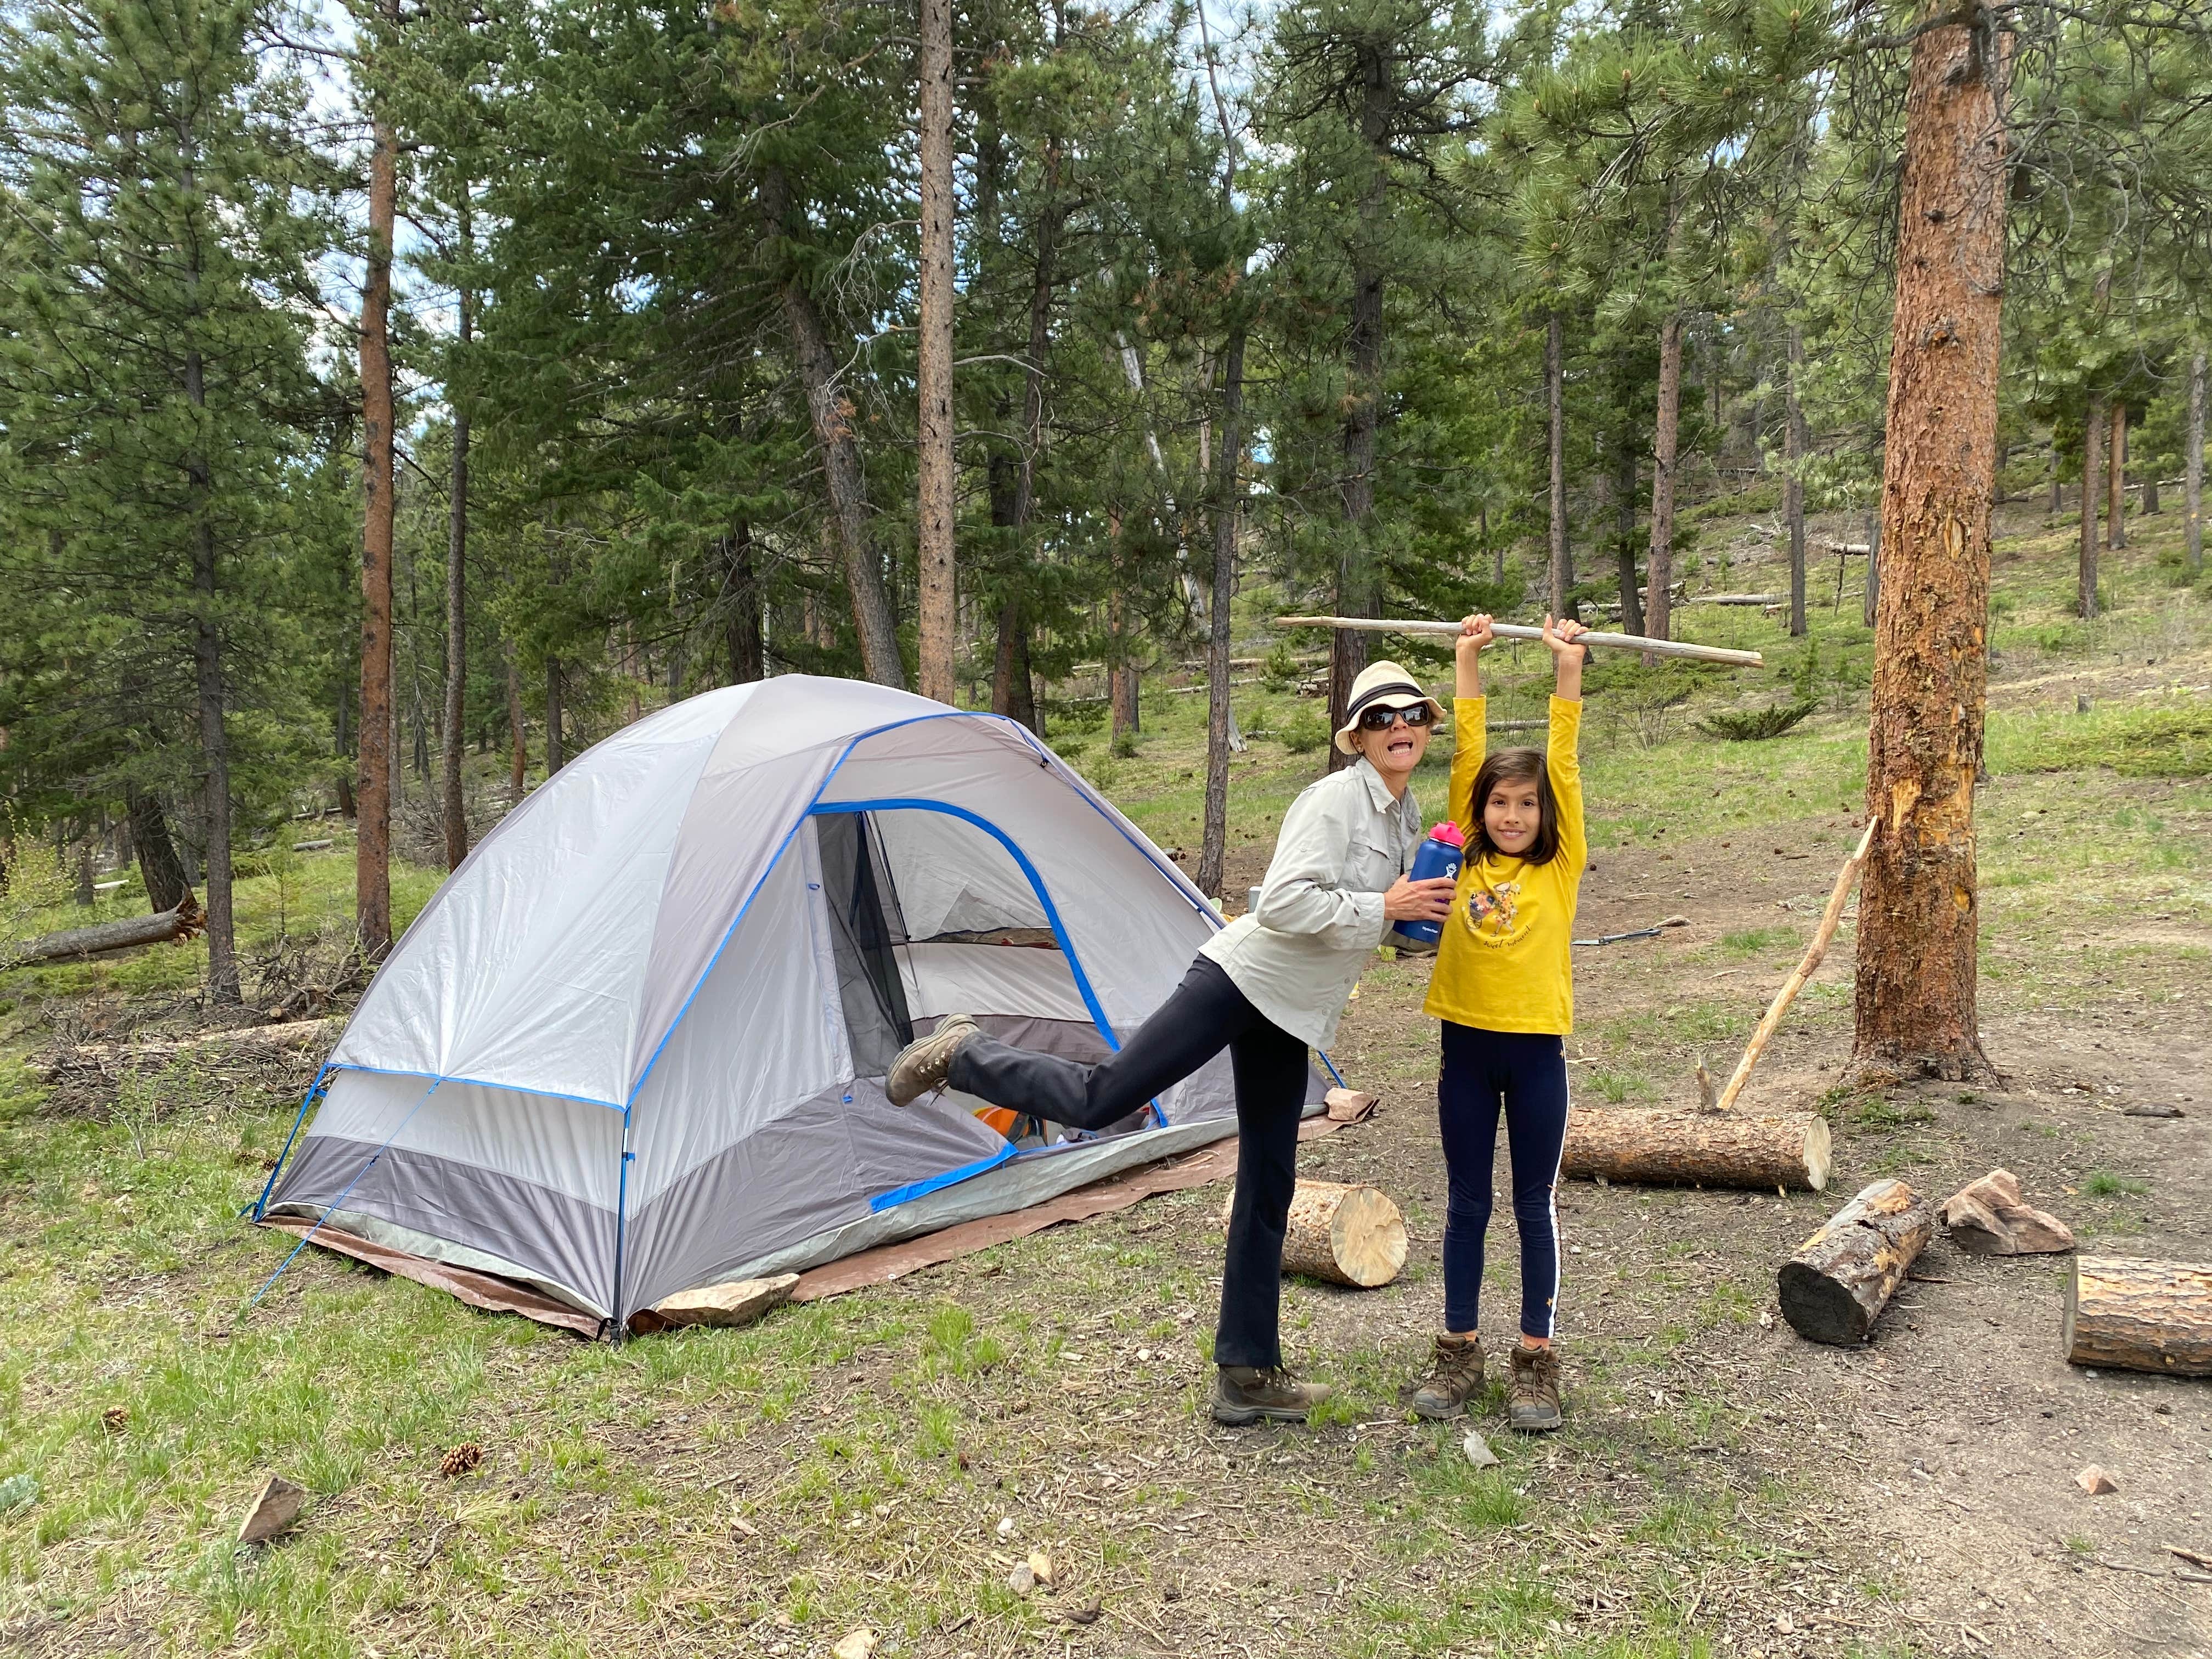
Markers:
point(1559, 1245)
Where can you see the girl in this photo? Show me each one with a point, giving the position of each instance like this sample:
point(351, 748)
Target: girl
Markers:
point(1505, 990)
point(1266, 988)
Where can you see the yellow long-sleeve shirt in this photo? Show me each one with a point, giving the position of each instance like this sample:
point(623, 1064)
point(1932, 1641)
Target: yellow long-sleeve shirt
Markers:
point(1503, 964)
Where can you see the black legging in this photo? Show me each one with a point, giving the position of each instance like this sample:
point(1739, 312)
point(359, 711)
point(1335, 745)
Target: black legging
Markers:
point(1206, 1014)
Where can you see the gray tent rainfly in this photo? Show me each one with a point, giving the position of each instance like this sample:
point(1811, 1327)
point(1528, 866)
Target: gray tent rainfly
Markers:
point(637, 1042)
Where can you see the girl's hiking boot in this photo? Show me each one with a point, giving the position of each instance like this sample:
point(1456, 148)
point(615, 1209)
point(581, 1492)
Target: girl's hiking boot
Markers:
point(925, 1063)
point(1532, 1397)
point(1244, 1394)
point(1456, 1378)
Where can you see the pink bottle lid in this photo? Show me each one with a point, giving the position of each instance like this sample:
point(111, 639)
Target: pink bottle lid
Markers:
point(1448, 833)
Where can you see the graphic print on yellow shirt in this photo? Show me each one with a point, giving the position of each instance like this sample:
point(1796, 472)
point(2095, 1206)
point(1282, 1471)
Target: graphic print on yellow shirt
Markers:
point(1502, 964)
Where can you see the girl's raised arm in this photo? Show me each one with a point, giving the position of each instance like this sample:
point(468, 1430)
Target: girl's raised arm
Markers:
point(1562, 761)
point(1469, 715)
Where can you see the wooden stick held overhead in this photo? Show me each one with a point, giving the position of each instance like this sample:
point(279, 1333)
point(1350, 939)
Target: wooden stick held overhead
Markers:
point(1830, 920)
point(1519, 631)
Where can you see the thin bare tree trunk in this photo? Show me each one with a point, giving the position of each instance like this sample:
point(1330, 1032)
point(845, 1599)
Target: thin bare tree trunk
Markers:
point(2115, 479)
point(159, 867)
point(2058, 503)
point(1121, 671)
point(1355, 581)
point(2192, 463)
point(457, 612)
point(830, 413)
point(372, 793)
point(518, 734)
point(1624, 532)
point(938, 608)
point(2093, 486)
point(1213, 847)
point(214, 740)
point(1916, 990)
point(1559, 577)
point(748, 652)
point(556, 755)
point(1666, 440)
point(1793, 484)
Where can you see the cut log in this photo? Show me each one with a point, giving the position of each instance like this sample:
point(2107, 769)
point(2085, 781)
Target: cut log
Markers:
point(1989, 1217)
point(1668, 1146)
point(1841, 1279)
point(738, 1302)
point(2140, 1316)
point(1347, 1235)
point(184, 921)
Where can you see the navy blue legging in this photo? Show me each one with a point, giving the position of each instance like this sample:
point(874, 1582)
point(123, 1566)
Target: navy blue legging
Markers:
point(1528, 1072)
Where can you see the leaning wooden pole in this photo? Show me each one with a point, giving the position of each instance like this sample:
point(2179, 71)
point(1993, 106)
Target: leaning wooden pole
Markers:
point(1518, 631)
point(1830, 920)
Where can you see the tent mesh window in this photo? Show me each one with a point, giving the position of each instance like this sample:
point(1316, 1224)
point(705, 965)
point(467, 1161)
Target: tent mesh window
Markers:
point(866, 927)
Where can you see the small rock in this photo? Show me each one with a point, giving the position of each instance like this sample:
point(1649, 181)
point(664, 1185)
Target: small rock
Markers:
point(2094, 1481)
point(1006, 1526)
point(1477, 1451)
point(115, 1418)
point(855, 1644)
point(1040, 1566)
point(1085, 1615)
point(274, 1510)
point(460, 1460)
point(1785, 1625)
point(1022, 1580)
point(2149, 1108)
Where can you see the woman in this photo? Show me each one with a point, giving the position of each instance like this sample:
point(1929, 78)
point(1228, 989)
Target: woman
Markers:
point(1266, 988)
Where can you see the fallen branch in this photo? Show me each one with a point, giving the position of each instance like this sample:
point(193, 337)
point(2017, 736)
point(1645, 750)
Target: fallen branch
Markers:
point(184, 921)
point(1734, 598)
point(1830, 920)
point(1517, 631)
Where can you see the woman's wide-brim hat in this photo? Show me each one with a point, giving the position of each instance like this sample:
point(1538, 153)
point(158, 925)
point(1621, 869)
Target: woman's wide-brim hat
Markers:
point(1381, 685)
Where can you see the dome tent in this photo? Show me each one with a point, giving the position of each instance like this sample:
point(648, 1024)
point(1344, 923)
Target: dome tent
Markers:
point(635, 1043)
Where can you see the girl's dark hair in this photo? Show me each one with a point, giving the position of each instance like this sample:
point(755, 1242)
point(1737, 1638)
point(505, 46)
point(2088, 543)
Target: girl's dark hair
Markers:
point(1517, 766)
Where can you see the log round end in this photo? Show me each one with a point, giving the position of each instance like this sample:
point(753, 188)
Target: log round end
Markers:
point(1818, 1308)
point(1818, 1154)
point(1367, 1236)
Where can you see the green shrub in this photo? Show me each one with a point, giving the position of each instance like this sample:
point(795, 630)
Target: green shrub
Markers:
point(1124, 745)
point(1304, 733)
point(1753, 724)
point(1281, 673)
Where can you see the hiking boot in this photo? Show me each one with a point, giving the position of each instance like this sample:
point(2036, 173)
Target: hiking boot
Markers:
point(924, 1064)
point(1456, 1378)
point(1247, 1394)
point(1532, 1398)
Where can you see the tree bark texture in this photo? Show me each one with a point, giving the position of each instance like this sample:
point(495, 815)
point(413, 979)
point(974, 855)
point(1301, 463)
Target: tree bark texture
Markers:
point(939, 607)
point(1356, 583)
point(741, 583)
point(1559, 578)
point(518, 732)
point(556, 756)
point(1794, 443)
point(2192, 463)
point(1013, 687)
point(159, 868)
point(1214, 837)
point(456, 813)
point(2115, 479)
point(1666, 441)
point(372, 790)
point(1871, 603)
point(1841, 1279)
point(1624, 530)
point(2093, 480)
point(1916, 1008)
point(830, 413)
point(1672, 1147)
point(181, 921)
point(2140, 1316)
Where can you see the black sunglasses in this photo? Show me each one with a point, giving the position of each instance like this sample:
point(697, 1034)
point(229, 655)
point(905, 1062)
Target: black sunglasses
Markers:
point(1381, 720)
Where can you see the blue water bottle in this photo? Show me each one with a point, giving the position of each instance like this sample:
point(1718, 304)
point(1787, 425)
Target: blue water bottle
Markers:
point(1440, 855)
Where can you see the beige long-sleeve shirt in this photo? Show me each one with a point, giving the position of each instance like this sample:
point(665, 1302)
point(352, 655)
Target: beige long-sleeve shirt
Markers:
point(1299, 953)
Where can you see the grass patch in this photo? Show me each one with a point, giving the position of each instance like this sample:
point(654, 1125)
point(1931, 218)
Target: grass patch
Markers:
point(2168, 738)
point(2103, 1183)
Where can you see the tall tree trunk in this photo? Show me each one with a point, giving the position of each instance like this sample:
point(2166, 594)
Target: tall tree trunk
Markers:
point(373, 841)
point(1014, 692)
point(1666, 447)
point(2192, 463)
point(748, 654)
point(1624, 530)
point(2093, 487)
point(1794, 444)
point(1871, 603)
point(2057, 503)
point(938, 611)
point(830, 413)
point(1918, 912)
point(1121, 671)
point(457, 612)
point(2115, 479)
point(517, 732)
point(1559, 577)
point(1356, 585)
point(556, 755)
point(1213, 848)
point(159, 868)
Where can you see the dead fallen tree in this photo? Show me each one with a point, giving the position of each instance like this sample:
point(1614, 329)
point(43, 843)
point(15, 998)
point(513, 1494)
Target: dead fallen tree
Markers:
point(281, 1059)
point(73, 944)
point(1841, 1279)
point(1672, 1147)
point(2137, 1316)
